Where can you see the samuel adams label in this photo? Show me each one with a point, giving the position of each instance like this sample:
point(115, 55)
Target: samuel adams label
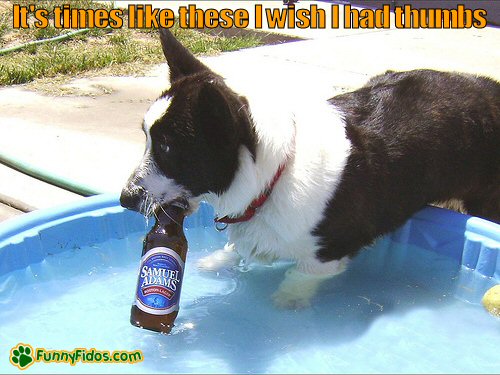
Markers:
point(160, 275)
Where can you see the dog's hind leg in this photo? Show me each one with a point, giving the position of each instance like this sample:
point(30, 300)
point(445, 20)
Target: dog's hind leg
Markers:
point(303, 281)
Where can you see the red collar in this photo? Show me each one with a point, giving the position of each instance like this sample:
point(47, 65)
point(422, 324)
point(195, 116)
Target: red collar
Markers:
point(256, 203)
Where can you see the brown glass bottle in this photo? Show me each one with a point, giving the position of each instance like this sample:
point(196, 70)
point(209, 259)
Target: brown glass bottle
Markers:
point(156, 303)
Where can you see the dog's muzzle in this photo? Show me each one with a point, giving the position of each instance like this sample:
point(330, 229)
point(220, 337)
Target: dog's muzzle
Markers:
point(132, 198)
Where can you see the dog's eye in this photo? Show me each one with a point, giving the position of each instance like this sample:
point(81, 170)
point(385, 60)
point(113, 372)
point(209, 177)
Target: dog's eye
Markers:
point(165, 148)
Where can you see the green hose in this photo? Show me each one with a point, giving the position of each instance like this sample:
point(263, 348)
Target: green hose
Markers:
point(47, 176)
point(54, 39)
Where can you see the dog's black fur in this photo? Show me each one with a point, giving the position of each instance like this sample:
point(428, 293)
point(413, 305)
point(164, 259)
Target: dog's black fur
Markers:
point(205, 126)
point(418, 137)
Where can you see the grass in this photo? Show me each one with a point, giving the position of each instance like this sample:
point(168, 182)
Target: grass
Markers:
point(120, 50)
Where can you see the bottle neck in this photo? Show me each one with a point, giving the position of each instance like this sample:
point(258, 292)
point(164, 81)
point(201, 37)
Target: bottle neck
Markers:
point(169, 219)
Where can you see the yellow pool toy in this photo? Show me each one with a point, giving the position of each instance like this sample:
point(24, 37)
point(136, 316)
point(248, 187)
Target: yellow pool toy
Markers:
point(491, 300)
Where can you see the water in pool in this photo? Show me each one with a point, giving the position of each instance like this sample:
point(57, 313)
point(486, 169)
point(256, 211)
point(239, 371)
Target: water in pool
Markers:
point(397, 309)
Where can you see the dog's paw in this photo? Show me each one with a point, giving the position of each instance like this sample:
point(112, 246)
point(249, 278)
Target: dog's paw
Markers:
point(297, 289)
point(290, 301)
point(220, 259)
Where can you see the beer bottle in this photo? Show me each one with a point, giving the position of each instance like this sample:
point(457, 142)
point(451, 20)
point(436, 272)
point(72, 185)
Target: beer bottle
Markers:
point(164, 252)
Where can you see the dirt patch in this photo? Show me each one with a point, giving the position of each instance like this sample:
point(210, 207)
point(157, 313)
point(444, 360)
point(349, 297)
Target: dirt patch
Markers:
point(64, 85)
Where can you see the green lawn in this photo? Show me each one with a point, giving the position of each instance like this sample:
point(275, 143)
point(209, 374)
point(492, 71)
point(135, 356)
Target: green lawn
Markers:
point(118, 51)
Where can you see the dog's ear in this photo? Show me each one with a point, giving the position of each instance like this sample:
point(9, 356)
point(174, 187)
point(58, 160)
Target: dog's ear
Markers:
point(180, 61)
point(214, 110)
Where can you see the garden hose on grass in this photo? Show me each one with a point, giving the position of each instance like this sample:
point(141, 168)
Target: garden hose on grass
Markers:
point(47, 176)
point(42, 41)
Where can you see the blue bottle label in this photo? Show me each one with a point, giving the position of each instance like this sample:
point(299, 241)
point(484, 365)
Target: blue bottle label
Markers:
point(160, 278)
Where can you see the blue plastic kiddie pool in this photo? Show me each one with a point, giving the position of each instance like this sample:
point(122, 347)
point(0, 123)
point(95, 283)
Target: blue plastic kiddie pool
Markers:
point(408, 304)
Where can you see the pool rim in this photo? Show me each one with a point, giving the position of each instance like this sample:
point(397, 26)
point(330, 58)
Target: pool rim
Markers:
point(474, 238)
point(28, 221)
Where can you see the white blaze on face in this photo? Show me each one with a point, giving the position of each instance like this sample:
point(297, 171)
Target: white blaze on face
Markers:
point(148, 176)
point(154, 113)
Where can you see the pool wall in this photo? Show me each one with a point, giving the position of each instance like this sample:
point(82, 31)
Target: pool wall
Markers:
point(27, 239)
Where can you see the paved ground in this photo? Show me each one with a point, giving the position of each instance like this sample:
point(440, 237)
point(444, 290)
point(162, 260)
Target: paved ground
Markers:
point(94, 135)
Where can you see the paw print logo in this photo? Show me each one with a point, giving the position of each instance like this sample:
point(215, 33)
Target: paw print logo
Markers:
point(22, 356)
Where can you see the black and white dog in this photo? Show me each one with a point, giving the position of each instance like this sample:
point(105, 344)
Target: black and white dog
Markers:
point(318, 181)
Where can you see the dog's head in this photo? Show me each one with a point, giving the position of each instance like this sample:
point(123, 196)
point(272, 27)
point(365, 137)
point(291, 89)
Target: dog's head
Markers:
point(194, 132)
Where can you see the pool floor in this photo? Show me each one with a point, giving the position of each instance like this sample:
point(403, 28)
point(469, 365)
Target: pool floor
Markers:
point(398, 309)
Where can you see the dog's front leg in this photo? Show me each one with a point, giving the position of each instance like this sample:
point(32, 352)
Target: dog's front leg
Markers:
point(302, 282)
point(224, 258)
